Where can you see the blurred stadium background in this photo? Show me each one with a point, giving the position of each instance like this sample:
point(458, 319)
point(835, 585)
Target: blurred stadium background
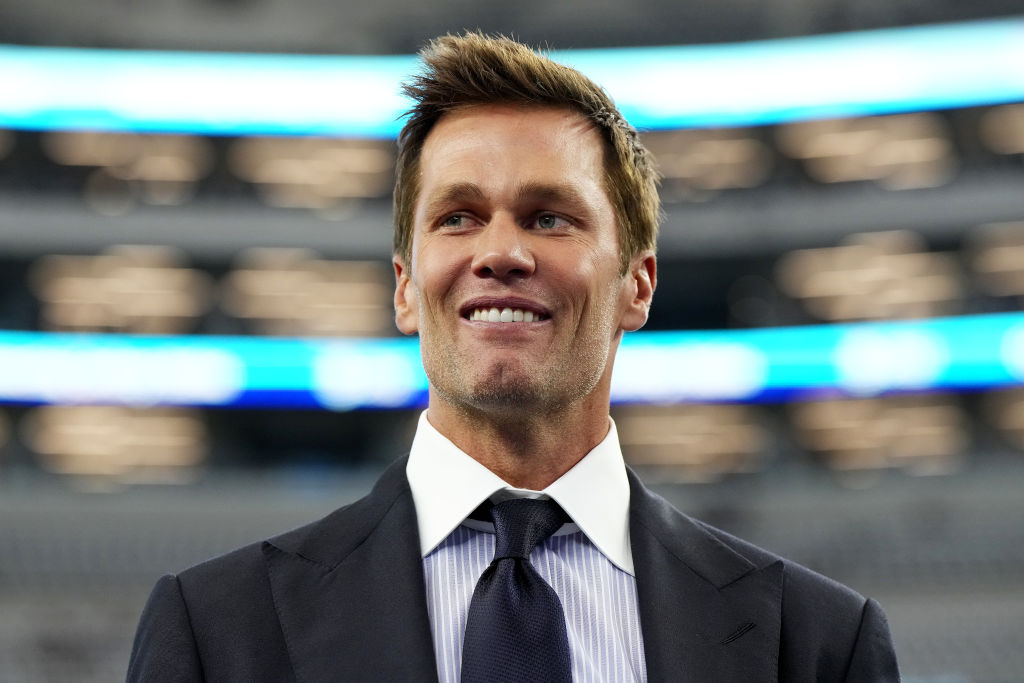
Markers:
point(196, 338)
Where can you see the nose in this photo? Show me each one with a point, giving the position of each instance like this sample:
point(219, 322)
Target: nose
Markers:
point(503, 250)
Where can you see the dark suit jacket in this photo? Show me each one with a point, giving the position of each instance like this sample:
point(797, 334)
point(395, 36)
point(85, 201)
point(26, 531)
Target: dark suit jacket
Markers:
point(343, 599)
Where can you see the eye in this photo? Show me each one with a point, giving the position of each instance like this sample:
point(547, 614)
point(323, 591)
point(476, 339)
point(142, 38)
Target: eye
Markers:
point(549, 221)
point(456, 220)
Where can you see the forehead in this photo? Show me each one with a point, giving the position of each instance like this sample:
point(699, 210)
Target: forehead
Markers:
point(531, 139)
point(484, 116)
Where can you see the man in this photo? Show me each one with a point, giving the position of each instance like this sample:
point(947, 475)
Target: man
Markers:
point(526, 215)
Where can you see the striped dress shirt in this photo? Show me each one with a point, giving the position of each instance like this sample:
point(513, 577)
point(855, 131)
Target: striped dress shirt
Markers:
point(588, 563)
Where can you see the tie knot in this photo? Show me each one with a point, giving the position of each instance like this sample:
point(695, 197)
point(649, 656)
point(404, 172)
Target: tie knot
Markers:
point(521, 523)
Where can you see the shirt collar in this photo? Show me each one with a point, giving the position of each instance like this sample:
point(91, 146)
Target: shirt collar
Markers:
point(447, 485)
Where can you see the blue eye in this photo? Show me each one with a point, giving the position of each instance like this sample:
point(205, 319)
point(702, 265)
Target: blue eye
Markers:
point(454, 221)
point(548, 221)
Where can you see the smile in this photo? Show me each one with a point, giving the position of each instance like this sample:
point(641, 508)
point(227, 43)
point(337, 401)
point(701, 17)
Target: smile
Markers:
point(505, 315)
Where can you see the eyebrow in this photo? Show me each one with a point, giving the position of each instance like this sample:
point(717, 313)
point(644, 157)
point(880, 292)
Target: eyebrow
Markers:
point(562, 194)
point(528, 192)
point(453, 194)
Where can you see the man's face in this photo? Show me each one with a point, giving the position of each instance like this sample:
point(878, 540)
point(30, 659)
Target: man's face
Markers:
point(514, 285)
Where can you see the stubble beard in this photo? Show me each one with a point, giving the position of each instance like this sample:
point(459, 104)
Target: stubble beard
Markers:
point(506, 389)
point(512, 389)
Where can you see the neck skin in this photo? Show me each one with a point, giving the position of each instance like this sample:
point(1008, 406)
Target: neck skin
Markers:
point(528, 448)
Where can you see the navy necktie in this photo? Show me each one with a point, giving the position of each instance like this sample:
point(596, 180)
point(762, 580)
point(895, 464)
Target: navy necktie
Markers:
point(516, 628)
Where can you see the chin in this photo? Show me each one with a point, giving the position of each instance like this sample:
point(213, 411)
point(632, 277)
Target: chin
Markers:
point(501, 389)
point(505, 388)
point(521, 395)
point(508, 388)
point(506, 397)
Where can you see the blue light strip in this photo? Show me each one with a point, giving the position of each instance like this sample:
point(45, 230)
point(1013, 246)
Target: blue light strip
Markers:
point(754, 83)
point(863, 359)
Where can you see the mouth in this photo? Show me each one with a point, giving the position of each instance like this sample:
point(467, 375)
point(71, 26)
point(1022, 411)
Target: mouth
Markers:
point(504, 312)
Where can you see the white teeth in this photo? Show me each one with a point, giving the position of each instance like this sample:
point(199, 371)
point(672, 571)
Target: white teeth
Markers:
point(504, 315)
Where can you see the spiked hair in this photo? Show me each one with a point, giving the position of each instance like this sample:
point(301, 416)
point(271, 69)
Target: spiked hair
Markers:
point(475, 69)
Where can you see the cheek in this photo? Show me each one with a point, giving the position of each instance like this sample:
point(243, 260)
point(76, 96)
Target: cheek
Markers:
point(610, 299)
point(436, 271)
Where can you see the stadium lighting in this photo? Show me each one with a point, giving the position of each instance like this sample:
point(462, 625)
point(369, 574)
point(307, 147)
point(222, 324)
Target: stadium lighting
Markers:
point(740, 84)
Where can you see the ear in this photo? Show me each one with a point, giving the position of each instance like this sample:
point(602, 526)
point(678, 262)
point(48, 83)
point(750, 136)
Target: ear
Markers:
point(406, 302)
point(639, 285)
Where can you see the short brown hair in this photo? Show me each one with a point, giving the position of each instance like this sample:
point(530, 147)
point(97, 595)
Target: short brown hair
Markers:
point(475, 69)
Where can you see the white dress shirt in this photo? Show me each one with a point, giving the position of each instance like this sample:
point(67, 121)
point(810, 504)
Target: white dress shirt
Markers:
point(588, 563)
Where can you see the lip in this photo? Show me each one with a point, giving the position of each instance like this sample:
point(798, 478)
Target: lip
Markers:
point(501, 302)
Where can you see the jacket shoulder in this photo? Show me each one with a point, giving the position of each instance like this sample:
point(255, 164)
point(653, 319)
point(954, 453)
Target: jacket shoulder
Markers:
point(829, 631)
point(802, 581)
point(225, 606)
point(322, 541)
point(826, 631)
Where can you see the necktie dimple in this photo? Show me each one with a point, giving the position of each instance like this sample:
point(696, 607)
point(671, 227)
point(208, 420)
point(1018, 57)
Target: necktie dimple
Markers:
point(515, 630)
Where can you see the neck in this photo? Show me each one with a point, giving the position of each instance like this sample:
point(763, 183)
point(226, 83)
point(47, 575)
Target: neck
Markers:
point(527, 450)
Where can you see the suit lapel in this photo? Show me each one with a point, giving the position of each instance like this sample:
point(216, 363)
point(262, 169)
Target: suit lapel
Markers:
point(349, 591)
point(707, 613)
point(351, 601)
